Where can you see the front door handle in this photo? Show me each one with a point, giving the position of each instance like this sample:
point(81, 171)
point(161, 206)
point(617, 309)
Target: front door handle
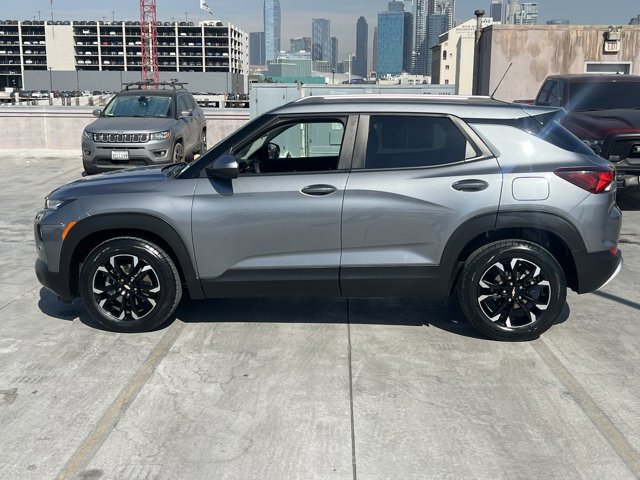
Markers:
point(470, 185)
point(318, 190)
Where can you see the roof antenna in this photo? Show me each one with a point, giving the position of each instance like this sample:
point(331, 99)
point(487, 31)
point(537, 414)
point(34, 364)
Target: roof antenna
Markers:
point(500, 82)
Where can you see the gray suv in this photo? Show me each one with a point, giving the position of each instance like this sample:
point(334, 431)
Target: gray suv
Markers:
point(145, 124)
point(362, 196)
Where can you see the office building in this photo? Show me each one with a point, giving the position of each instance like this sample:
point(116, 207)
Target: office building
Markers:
point(360, 66)
point(495, 10)
point(374, 60)
point(436, 26)
point(407, 44)
point(419, 61)
point(300, 44)
point(291, 65)
point(395, 6)
point(256, 48)
point(334, 53)
point(321, 40)
point(527, 15)
point(272, 29)
point(512, 7)
point(447, 8)
point(67, 47)
point(390, 38)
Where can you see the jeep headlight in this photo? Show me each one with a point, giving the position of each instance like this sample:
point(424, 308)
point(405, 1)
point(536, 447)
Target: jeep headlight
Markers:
point(160, 135)
point(87, 135)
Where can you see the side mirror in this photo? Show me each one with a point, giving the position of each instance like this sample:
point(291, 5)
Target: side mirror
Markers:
point(96, 113)
point(225, 167)
point(186, 113)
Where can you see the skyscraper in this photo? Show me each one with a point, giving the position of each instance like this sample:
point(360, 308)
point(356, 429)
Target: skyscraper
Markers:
point(495, 11)
point(436, 26)
point(256, 48)
point(512, 8)
point(272, 29)
point(447, 8)
point(419, 45)
point(300, 44)
point(528, 14)
point(334, 52)
point(361, 65)
point(390, 37)
point(407, 45)
point(374, 61)
point(321, 39)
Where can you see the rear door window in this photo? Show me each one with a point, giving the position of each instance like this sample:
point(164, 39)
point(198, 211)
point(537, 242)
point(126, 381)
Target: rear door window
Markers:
point(406, 141)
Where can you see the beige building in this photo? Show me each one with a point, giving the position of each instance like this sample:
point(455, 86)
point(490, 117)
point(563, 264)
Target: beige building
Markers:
point(453, 57)
point(540, 50)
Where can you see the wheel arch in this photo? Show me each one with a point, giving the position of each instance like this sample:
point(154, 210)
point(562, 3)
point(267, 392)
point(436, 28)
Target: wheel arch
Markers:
point(92, 231)
point(547, 230)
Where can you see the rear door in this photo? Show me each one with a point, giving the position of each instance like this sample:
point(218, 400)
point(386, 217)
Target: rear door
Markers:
point(189, 123)
point(416, 179)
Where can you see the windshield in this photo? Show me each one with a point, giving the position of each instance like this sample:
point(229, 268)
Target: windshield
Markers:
point(139, 106)
point(603, 96)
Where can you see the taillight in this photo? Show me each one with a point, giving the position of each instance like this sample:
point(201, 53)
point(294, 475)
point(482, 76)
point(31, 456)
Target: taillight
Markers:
point(594, 180)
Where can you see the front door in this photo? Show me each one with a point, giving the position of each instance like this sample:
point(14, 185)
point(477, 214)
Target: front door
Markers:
point(277, 228)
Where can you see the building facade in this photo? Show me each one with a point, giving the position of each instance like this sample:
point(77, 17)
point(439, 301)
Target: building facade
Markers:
point(256, 49)
point(207, 47)
point(361, 63)
point(390, 38)
point(334, 53)
point(527, 15)
point(419, 62)
point(300, 44)
point(559, 49)
point(321, 40)
point(272, 29)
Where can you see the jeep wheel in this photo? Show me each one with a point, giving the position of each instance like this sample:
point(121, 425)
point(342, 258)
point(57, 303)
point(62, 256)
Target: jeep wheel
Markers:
point(177, 155)
point(512, 290)
point(130, 285)
point(203, 142)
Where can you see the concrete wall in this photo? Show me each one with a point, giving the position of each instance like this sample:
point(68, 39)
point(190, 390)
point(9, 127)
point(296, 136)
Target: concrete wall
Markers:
point(61, 128)
point(112, 80)
point(542, 50)
point(60, 51)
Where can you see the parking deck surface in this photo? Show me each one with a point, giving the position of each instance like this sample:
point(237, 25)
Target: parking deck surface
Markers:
point(307, 388)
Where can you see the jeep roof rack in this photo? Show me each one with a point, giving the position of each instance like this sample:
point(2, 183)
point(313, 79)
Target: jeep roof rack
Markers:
point(173, 83)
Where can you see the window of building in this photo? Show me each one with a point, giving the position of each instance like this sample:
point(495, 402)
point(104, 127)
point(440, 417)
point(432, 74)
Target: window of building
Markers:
point(608, 67)
point(294, 147)
point(444, 55)
point(415, 141)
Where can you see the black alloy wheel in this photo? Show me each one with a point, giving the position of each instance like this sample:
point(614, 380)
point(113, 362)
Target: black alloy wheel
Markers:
point(129, 284)
point(512, 290)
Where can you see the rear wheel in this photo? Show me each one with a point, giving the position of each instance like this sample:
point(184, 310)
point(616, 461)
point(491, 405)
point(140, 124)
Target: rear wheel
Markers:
point(130, 285)
point(512, 290)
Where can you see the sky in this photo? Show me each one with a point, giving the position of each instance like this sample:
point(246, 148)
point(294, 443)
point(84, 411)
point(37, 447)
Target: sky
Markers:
point(297, 14)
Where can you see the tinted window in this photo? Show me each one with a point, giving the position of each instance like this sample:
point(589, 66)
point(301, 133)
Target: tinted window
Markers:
point(413, 141)
point(182, 104)
point(602, 96)
point(549, 94)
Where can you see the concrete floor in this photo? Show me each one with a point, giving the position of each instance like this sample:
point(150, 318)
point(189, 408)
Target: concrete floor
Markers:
point(307, 388)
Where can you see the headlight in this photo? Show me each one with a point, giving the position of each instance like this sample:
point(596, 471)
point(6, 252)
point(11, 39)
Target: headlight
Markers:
point(595, 145)
point(51, 204)
point(160, 135)
point(87, 135)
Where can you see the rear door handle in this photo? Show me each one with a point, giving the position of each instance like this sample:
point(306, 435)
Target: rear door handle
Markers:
point(318, 190)
point(470, 185)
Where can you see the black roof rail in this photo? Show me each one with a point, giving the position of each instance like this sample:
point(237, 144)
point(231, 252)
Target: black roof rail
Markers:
point(173, 83)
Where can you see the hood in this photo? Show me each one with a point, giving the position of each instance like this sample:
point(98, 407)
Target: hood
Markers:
point(130, 125)
point(596, 125)
point(119, 181)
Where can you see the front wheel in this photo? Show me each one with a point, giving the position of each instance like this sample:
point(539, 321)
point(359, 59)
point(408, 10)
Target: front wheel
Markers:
point(512, 290)
point(177, 155)
point(130, 285)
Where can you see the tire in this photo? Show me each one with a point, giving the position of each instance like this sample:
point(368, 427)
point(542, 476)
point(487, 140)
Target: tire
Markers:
point(130, 285)
point(177, 154)
point(504, 309)
point(203, 142)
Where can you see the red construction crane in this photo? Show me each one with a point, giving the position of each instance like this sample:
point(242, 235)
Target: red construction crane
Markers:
point(149, 34)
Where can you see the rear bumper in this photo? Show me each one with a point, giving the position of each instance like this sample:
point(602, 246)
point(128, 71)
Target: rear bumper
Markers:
point(595, 270)
point(56, 282)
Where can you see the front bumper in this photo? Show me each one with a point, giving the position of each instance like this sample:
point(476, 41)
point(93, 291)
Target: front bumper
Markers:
point(97, 157)
point(56, 282)
point(595, 270)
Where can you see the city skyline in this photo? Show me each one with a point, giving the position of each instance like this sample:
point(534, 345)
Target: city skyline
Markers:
point(297, 16)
